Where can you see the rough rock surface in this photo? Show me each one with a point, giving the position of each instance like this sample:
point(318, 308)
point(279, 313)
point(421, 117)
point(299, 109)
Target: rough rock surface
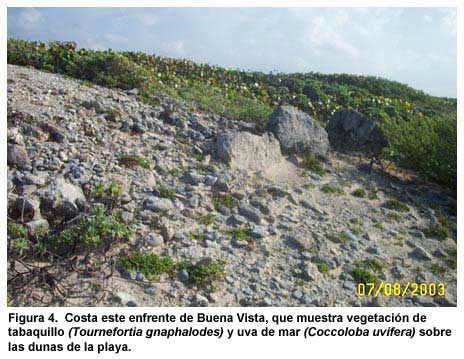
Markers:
point(244, 150)
point(303, 240)
point(62, 199)
point(298, 132)
point(351, 131)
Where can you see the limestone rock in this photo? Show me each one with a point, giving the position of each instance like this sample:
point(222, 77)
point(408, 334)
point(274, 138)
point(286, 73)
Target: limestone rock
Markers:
point(243, 150)
point(298, 132)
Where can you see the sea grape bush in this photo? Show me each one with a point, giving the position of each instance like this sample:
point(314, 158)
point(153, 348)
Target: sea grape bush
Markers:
point(105, 68)
point(426, 144)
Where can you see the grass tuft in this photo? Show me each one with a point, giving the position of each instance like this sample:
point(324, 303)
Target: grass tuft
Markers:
point(396, 205)
point(313, 164)
point(224, 201)
point(438, 232)
point(323, 268)
point(328, 189)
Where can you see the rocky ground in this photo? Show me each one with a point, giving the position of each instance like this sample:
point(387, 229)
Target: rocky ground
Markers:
point(304, 233)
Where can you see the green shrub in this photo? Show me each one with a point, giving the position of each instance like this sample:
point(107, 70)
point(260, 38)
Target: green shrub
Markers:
point(109, 69)
point(109, 194)
point(332, 190)
point(426, 144)
point(20, 245)
point(16, 230)
point(438, 232)
point(241, 234)
point(19, 242)
point(313, 164)
point(95, 230)
point(149, 264)
point(445, 222)
point(105, 68)
point(323, 268)
point(366, 271)
point(396, 205)
point(224, 201)
point(204, 272)
point(26, 53)
point(201, 273)
point(363, 275)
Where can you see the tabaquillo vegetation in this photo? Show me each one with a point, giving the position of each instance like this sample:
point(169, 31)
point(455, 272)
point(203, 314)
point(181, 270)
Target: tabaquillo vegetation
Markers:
point(421, 129)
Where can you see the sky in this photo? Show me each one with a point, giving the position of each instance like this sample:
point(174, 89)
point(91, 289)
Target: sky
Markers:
point(416, 46)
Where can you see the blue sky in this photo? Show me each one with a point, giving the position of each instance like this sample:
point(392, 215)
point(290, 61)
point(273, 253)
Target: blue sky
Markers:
point(416, 46)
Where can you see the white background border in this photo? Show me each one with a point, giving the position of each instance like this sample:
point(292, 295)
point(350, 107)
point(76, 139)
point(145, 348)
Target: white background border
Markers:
point(452, 318)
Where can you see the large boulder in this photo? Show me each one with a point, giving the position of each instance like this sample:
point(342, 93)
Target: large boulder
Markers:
point(243, 150)
point(298, 132)
point(351, 131)
point(62, 199)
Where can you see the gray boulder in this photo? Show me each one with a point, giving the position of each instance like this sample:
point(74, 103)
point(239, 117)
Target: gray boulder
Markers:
point(298, 132)
point(351, 131)
point(62, 199)
point(243, 150)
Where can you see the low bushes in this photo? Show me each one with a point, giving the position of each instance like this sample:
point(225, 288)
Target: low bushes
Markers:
point(105, 68)
point(426, 144)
